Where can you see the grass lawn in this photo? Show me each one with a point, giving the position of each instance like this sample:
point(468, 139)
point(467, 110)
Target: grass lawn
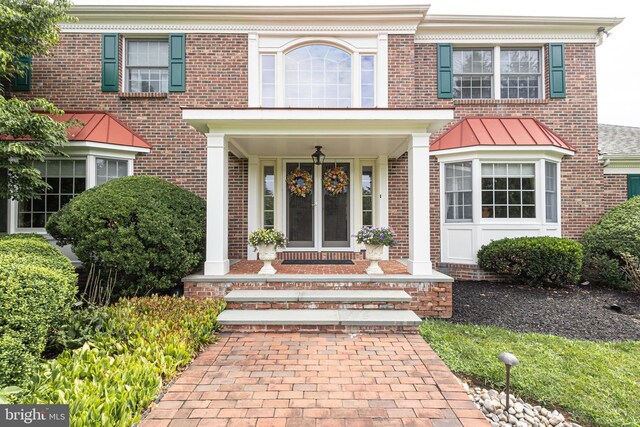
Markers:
point(595, 383)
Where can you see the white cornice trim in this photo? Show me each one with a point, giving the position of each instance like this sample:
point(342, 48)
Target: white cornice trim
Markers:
point(607, 22)
point(497, 38)
point(222, 28)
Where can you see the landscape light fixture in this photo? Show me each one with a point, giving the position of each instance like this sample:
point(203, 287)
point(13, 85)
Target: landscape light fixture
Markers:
point(318, 156)
point(509, 360)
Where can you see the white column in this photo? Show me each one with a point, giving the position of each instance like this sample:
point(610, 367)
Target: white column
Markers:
point(381, 186)
point(419, 209)
point(217, 261)
point(253, 201)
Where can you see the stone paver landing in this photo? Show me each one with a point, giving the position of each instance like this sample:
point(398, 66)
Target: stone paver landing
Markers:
point(298, 379)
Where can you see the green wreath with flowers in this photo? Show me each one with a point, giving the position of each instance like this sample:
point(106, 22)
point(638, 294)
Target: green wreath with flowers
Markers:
point(335, 181)
point(300, 183)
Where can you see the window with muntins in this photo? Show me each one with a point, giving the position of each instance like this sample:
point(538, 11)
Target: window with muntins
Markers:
point(147, 65)
point(268, 80)
point(66, 178)
point(520, 75)
point(368, 81)
point(551, 191)
point(472, 73)
point(268, 197)
point(508, 190)
point(367, 196)
point(318, 76)
point(458, 192)
point(108, 169)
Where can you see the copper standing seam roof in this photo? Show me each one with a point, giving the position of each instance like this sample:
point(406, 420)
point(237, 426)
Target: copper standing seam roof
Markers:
point(498, 131)
point(101, 127)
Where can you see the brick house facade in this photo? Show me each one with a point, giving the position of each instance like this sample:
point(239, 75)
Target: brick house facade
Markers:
point(223, 60)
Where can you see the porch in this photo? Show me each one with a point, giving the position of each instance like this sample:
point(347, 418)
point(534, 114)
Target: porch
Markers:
point(278, 142)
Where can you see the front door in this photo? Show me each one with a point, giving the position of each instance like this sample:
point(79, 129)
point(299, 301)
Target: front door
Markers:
point(321, 219)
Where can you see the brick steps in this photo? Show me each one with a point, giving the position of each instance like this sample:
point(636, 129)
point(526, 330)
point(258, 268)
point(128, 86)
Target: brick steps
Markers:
point(318, 299)
point(321, 310)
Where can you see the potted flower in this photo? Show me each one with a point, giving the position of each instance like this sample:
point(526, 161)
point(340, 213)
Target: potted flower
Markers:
point(375, 239)
point(266, 241)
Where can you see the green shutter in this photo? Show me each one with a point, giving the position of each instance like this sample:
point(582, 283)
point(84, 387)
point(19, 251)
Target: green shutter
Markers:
point(633, 185)
point(110, 62)
point(445, 71)
point(557, 74)
point(23, 83)
point(177, 63)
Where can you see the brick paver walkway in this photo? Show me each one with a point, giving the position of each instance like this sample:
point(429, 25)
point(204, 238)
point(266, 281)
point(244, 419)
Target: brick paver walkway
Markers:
point(316, 380)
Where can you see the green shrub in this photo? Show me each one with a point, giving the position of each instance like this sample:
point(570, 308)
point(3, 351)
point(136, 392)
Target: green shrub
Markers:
point(151, 232)
point(534, 260)
point(617, 232)
point(111, 379)
point(37, 286)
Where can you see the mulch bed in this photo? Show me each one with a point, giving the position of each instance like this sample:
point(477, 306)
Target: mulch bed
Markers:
point(581, 312)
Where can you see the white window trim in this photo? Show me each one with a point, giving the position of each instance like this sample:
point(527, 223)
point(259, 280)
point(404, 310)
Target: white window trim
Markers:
point(460, 241)
point(123, 66)
point(380, 53)
point(497, 72)
point(88, 153)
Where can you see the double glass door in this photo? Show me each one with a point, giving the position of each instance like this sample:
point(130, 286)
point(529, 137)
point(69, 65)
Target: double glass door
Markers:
point(320, 217)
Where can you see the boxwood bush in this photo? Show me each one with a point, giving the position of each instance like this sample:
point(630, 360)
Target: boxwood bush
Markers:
point(142, 344)
point(616, 233)
point(37, 287)
point(147, 230)
point(550, 261)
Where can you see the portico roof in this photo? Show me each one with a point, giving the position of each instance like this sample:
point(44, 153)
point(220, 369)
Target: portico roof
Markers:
point(295, 132)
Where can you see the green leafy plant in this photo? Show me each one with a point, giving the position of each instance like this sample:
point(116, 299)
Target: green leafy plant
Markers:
point(547, 261)
point(376, 236)
point(37, 286)
point(143, 344)
point(6, 394)
point(617, 232)
point(149, 232)
point(29, 27)
point(265, 236)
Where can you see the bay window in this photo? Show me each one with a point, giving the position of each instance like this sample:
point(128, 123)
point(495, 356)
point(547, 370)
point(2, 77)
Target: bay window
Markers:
point(66, 178)
point(108, 169)
point(551, 191)
point(508, 190)
point(458, 192)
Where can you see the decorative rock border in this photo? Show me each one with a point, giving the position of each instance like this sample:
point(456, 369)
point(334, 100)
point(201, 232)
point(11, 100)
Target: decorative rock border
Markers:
point(492, 404)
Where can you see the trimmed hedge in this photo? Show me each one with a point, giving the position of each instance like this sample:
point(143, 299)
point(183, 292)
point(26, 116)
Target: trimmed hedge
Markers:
point(143, 343)
point(534, 260)
point(149, 231)
point(617, 232)
point(37, 287)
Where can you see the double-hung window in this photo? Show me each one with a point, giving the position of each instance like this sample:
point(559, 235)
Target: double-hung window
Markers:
point(508, 190)
point(472, 73)
point(551, 190)
point(108, 169)
point(458, 192)
point(520, 75)
point(147, 65)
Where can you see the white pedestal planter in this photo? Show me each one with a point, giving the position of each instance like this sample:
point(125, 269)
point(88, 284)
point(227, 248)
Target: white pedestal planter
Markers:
point(267, 253)
point(374, 254)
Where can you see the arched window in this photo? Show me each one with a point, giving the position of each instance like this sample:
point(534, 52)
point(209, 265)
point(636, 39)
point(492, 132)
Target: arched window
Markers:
point(318, 76)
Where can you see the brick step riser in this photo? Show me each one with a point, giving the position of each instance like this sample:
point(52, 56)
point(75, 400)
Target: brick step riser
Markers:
point(298, 305)
point(321, 328)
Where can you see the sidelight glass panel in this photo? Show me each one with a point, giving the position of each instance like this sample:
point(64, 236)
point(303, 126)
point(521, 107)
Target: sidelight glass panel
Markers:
point(367, 196)
point(335, 230)
point(300, 212)
point(268, 196)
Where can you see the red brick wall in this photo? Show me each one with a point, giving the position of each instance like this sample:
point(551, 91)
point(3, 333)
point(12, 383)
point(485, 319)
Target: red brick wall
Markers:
point(216, 77)
point(573, 118)
point(615, 190)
